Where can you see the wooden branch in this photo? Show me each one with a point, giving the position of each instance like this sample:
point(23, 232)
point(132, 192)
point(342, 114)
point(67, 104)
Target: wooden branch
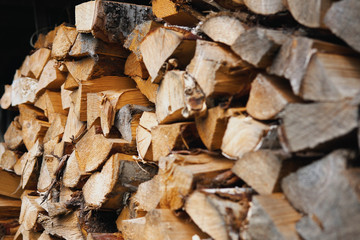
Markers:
point(23, 90)
point(147, 88)
point(38, 61)
point(63, 41)
point(218, 71)
point(272, 217)
point(269, 95)
point(5, 100)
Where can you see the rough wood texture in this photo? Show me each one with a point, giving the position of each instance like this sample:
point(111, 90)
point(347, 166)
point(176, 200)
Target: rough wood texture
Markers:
point(172, 44)
point(51, 77)
point(86, 45)
point(110, 21)
point(269, 95)
point(50, 102)
point(143, 135)
point(135, 67)
point(25, 68)
point(65, 97)
point(13, 135)
point(12, 184)
point(319, 123)
point(259, 46)
point(30, 210)
point(8, 159)
point(29, 172)
point(9, 207)
point(222, 27)
point(218, 71)
point(56, 128)
point(242, 135)
point(219, 211)
point(73, 126)
point(321, 187)
point(33, 130)
point(63, 41)
point(336, 20)
point(38, 61)
point(310, 14)
point(272, 217)
point(23, 90)
point(265, 7)
point(147, 88)
point(5, 100)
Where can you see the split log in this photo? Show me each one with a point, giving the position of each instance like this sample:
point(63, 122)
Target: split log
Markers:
point(119, 175)
point(56, 128)
point(177, 136)
point(48, 168)
point(51, 77)
point(74, 174)
point(73, 127)
point(132, 228)
point(269, 95)
point(24, 234)
point(162, 44)
point(174, 13)
point(265, 7)
point(135, 67)
point(8, 159)
point(143, 135)
point(9, 207)
point(320, 123)
point(65, 97)
point(218, 71)
point(30, 112)
point(29, 172)
point(63, 41)
point(23, 90)
point(13, 135)
point(211, 127)
point(109, 21)
point(242, 135)
point(92, 68)
point(5, 100)
point(97, 85)
point(38, 61)
point(30, 210)
point(328, 185)
point(224, 215)
point(335, 20)
point(223, 27)
point(87, 45)
point(147, 88)
point(293, 58)
point(50, 103)
point(258, 46)
point(272, 217)
point(104, 236)
point(310, 14)
point(71, 83)
point(33, 130)
point(25, 68)
point(11, 188)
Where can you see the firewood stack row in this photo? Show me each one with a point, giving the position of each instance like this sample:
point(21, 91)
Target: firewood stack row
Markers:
point(194, 120)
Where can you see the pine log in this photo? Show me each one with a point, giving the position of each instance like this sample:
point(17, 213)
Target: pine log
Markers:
point(242, 135)
point(63, 41)
point(310, 14)
point(65, 98)
point(258, 46)
point(8, 159)
point(331, 77)
point(50, 103)
point(328, 195)
point(30, 210)
point(109, 21)
point(11, 188)
point(223, 27)
point(293, 58)
point(51, 77)
point(223, 215)
point(162, 44)
point(265, 7)
point(5, 100)
point(272, 217)
point(135, 38)
point(135, 67)
point(177, 136)
point(29, 173)
point(92, 68)
point(94, 86)
point(174, 13)
point(9, 207)
point(269, 95)
point(147, 88)
point(38, 61)
point(73, 127)
point(218, 71)
point(23, 90)
point(336, 20)
point(320, 123)
point(143, 135)
point(13, 135)
point(211, 127)
point(87, 45)
point(119, 175)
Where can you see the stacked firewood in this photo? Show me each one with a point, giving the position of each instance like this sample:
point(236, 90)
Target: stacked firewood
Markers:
point(194, 120)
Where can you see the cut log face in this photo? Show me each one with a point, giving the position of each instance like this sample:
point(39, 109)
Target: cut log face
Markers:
point(218, 71)
point(335, 21)
point(223, 28)
point(13, 135)
point(170, 100)
point(147, 88)
point(10, 189)
point(73, 127)
point(84, 15)
point(242, 135)
point(33, 130)
point(310, 14)
point(269, 95)
point(272, 217)
point(219, 211)
point(319, 123)
point(30, 172)
point(331, 77)
point(51, 77)
point(30, 210)
point(56, 128)
point(63, 41)
point(143, 135)
point(133, 228)
point(71, 83)
point(135, 67)
point(38, 61)
point(5, 100)
point(8, 159)
point(265, 7)
point(172, 44)
point(23, 90)
point(50, 103)
point(86, 45)
point(259, 46)
point(9, 207)
point(65, 97)
point(47, 172)
point(327, 185)
point(25, 68)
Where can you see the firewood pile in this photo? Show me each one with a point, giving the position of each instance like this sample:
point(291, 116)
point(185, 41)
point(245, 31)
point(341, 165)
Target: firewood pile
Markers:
point(223, 120)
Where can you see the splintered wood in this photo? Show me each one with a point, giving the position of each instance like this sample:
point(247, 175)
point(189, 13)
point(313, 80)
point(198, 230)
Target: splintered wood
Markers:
point(199, 120)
